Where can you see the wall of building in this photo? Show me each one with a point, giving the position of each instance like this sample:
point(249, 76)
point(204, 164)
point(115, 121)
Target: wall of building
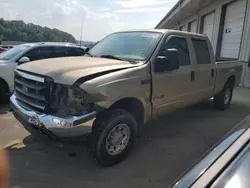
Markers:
point(216, 7)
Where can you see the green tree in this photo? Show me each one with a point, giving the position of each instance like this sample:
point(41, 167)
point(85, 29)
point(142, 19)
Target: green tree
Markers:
point(1, 39)
point(38, 38)
point(20, 31)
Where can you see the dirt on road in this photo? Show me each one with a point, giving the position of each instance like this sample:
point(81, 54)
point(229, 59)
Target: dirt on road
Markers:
point(166, 148)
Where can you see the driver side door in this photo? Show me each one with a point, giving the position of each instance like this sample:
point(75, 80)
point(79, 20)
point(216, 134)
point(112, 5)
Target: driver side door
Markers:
point(173, 89)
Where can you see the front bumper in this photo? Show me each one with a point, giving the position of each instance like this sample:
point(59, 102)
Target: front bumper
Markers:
point(77, 125)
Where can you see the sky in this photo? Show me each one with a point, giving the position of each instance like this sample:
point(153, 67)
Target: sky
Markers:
point(99, 17)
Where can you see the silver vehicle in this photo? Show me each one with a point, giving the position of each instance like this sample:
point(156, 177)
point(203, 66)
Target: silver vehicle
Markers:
point(24, 53)
point(122, 82)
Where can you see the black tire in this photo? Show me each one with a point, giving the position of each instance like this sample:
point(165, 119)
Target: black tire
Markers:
point(3, 94)
point(103, 125)
point(221, 102)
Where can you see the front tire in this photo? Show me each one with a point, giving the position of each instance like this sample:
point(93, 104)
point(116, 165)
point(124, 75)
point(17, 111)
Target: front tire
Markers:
point(113, 136)
point(222, 100)
point(3, 94)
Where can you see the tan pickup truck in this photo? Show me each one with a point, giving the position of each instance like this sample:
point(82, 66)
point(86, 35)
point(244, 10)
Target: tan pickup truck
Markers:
point(124, 81)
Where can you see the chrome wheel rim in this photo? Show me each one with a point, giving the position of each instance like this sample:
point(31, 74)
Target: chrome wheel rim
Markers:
point(117, 139)
point(227, 96)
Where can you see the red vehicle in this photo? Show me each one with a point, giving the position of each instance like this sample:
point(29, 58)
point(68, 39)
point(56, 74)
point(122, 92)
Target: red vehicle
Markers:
point(2, 50)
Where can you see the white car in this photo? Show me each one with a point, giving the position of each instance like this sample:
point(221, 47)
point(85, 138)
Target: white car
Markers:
point(24, 53)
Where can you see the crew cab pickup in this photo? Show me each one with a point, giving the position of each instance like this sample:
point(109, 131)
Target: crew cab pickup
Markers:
point(125, 80)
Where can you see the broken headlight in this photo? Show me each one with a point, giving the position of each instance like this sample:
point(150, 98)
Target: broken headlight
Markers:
point(69, 100)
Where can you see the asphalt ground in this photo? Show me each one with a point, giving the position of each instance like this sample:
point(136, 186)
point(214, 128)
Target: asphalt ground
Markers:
point(167, 147)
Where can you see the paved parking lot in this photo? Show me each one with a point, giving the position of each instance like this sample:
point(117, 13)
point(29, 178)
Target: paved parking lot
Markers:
point(166, 148)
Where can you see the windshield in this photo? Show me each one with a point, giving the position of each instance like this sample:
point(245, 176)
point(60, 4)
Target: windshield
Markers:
point(129, 45)
point(13, 52)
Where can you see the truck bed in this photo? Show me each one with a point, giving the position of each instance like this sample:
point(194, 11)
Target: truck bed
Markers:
point(223, 71)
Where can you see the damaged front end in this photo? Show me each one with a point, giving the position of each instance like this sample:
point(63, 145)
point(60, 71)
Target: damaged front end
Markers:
point(63, 110)
point(68, 100)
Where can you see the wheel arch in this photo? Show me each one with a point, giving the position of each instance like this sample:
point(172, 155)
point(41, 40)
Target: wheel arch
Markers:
point(231, 80)
point(134, 106)
point(5, 84)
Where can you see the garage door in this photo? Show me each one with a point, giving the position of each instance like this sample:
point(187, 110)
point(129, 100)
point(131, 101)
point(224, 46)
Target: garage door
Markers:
point(232, 31)
point(208, 25)
point(184, 28)
point(193, 26)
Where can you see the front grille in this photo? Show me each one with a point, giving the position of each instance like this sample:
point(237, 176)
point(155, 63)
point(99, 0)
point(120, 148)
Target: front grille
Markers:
point(31, 90)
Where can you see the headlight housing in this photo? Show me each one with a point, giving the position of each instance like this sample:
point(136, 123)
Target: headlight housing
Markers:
point(69, 100)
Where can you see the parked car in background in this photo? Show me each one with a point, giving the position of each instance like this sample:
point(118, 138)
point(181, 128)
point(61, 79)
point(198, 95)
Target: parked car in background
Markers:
point(121, 83)
point(25, 53)
point(227, 165)
point(6, 46)
point(2, 50)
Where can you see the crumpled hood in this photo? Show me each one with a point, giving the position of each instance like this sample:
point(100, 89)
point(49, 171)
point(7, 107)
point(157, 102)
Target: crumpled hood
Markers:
point(68, 70)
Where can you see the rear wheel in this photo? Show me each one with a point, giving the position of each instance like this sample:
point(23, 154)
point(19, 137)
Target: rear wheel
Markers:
point(113, 136)
point(223, 99)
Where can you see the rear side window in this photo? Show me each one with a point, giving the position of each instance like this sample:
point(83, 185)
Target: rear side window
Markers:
point(202, 52)
point(181, 45)
point(65, 51)
point(76, 51)
point(60, 51)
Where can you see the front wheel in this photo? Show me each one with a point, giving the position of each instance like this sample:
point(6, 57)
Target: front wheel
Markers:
point(113, 136)
point(223, 99)
point(3, 94)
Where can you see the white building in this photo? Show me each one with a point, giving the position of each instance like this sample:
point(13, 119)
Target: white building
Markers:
point(225, 22)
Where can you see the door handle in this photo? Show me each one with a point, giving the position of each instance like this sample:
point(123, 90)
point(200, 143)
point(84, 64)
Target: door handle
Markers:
point(192, 76)
point(212, 72)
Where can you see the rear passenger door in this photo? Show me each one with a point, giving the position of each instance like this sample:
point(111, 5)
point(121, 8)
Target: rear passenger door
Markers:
point(206, 69)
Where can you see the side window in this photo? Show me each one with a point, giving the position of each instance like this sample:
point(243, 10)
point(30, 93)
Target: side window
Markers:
point(39, 53)
point(181, 45)
point(202, 52)
point(60, 51)
point(75, 51)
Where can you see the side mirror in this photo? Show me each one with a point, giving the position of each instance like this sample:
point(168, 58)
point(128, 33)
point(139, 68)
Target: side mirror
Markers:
point(168, 62)
point(23, 60)
point(87, 49)
point(249, 64)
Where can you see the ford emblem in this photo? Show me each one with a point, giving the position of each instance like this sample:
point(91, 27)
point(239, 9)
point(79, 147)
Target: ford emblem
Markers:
point(24, 88)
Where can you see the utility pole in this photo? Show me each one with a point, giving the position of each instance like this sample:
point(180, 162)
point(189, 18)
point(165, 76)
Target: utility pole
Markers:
point(81, 33)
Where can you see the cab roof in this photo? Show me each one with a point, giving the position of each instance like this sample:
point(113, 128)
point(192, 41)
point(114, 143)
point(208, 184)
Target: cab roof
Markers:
point(163, 31)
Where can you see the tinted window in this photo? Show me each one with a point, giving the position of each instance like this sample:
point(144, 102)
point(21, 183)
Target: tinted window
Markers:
point(60, 51)
point(202, 52)
point(181, 45)
point(76, 51)
point(39, 53)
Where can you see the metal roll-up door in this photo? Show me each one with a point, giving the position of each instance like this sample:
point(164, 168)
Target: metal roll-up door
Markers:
point(208, 25)
point(232, 30)
point(193, 26)
point(184, 28)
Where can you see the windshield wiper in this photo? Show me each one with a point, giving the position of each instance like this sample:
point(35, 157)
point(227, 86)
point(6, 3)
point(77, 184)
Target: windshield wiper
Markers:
point(118, 58)
point(112, 57)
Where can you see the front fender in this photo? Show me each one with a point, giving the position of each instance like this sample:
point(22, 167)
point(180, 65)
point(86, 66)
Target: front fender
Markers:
point(130, 83)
